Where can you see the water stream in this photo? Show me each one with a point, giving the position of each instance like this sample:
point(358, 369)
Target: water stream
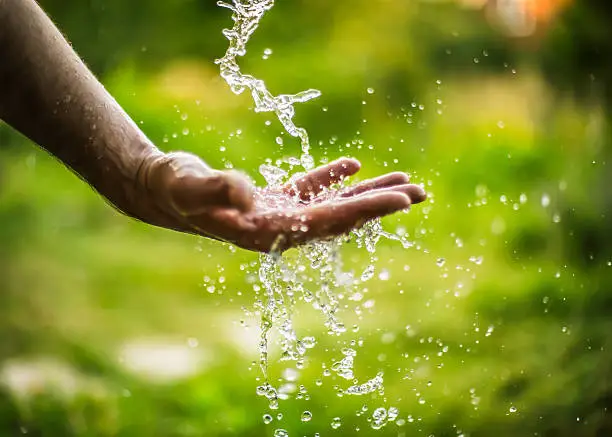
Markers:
point(316, 275)
point(246, 15)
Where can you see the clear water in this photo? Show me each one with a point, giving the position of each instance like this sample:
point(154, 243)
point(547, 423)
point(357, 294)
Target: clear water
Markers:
point(315, 275)
point(246, 16)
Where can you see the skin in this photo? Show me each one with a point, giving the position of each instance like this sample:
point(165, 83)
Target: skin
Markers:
point(50, 96)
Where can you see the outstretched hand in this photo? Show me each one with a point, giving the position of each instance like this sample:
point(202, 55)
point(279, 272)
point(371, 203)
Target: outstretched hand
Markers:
point(189, 196)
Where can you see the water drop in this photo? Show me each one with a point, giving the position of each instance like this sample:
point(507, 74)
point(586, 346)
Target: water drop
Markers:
point(336, 423)
point(367, 273)
point(384, 275)
point(379, 414)
point(273, 175)
point(476, 260)
point(306, 416)
point(392, 414)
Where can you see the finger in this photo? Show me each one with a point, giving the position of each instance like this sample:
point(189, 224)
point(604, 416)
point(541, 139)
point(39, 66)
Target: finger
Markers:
point(414, 192)
point(388, 180)
point(192, 195)
point(313, 182)
point(338, 217)
point(182, 182)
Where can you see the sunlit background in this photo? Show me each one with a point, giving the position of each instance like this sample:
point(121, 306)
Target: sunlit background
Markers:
point(498, 322)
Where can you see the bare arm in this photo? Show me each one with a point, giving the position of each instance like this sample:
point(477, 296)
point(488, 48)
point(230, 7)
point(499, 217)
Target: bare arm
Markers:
point(49, 95)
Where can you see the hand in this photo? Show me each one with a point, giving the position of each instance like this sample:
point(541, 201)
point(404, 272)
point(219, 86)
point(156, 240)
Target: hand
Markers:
point(189, 196)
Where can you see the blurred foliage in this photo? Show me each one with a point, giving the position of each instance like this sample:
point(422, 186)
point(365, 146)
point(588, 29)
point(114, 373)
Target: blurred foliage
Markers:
point(497, 322)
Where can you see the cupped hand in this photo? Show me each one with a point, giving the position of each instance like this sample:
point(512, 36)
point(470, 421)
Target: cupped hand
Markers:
point(189, 196)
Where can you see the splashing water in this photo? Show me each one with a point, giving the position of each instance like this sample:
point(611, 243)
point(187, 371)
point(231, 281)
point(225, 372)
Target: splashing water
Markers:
point(246, 16)
point(316, 275)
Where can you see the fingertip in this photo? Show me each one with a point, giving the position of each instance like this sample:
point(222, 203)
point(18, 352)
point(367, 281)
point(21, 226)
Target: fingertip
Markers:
point(417, 194)
point(397, 178)
point(349, 166)
point(402, 201)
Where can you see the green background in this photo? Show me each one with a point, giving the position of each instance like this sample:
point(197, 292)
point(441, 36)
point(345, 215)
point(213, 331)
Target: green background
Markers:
point(109, 327)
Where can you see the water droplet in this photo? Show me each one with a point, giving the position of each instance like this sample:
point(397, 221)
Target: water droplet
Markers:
point(281, 433)
point(367, 273)
point(306, 416)
point(388, 338)
point(336, 423)
point(273, 175)
point(290, 374)
point(370, 90)
point(379, 414)
point(476, 260)
point(267, 418)
point(440, 262)
point(384, 275)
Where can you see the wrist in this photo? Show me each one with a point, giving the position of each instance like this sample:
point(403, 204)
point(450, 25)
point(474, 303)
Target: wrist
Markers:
point(140, 200)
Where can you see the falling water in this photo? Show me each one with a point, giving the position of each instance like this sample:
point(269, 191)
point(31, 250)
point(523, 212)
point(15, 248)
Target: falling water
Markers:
point(246, 16)
point(316, 275)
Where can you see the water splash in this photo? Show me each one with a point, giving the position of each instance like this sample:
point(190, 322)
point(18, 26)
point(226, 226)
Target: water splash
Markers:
point(246, 15)
point(371, 386)
point(316, 275)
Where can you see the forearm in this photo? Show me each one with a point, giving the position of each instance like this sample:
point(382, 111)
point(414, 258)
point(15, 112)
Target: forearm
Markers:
point(50, 96)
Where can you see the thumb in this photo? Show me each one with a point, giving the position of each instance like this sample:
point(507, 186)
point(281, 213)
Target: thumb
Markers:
point(192, 195)
point(190, 187)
